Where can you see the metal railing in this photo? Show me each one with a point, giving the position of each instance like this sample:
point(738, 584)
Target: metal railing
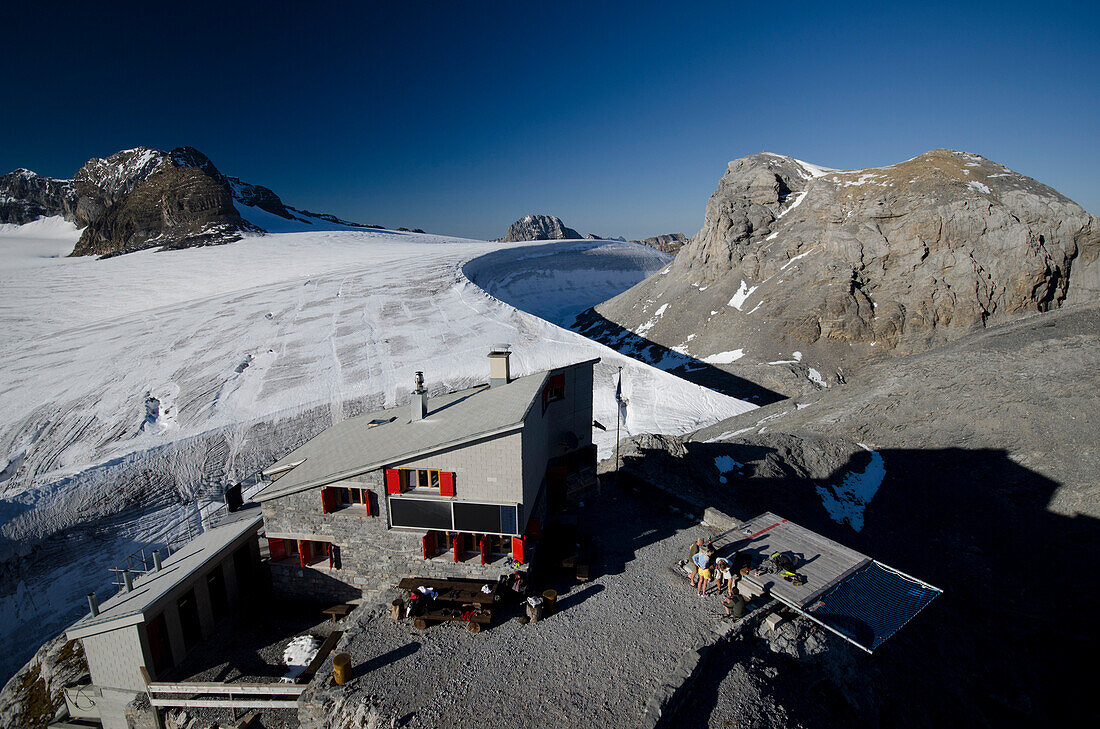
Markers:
point(177, 535)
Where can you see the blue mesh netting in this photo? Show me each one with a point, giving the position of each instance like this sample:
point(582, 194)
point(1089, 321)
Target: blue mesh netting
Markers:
point(872, 604)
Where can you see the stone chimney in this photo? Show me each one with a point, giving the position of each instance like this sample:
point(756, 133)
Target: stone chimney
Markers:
point(419, 398)
point(499, 373)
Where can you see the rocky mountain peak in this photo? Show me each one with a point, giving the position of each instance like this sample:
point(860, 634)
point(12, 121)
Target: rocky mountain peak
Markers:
point(142, 197)
point(539, 227)
point(846, 265)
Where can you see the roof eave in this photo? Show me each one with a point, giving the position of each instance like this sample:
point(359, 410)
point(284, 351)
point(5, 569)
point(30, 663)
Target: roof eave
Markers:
point(360, 470)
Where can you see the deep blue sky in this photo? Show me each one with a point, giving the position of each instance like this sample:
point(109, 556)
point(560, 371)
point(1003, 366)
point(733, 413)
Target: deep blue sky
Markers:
point(460, 117)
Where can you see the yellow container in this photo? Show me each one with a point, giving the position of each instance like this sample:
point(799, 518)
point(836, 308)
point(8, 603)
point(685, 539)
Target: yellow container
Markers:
point(341, 667)
point(549, 601)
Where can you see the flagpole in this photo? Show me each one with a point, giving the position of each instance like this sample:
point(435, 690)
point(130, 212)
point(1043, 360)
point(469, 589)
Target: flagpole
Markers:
point(618, 414)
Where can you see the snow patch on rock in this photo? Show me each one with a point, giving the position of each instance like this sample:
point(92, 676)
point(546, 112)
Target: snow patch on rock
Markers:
point(847, 502)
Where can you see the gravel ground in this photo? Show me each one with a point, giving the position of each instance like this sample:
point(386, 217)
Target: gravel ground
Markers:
point(597, 660)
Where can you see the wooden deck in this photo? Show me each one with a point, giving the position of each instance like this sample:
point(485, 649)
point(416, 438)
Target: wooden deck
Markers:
point(823, 562)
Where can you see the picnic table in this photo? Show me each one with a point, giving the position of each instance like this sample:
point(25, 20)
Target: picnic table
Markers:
point(456, 599)
point(454, 590)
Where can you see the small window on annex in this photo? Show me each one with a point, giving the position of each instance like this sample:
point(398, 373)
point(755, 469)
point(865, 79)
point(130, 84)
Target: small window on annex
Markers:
point(350, 496)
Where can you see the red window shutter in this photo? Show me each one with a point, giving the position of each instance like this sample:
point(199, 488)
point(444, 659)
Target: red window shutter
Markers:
point(456, 541)
point(366, 502)
point(533, 528)
point(328, 501)
point(557, 381)
point(305, 554)
point(428, 544)
point(331, 558)
point(517, 549)
point(277, 547)
point(446, 483)
point(393, 481)
point(484, 549)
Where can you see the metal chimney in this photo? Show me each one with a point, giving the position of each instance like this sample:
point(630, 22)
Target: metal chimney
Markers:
point(499, 371)
point(156, 560)
point(419, 398)
point(93, 604)
point(127, 580)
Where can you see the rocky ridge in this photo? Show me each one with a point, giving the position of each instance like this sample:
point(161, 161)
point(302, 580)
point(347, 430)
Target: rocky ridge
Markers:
point(847, 266)
point(539, 227)
point(669, 242)
point(144, 198)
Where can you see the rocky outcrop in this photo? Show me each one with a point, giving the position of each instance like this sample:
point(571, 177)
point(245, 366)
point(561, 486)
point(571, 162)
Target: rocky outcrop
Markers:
point(144, 198)
point(177, 207)
point(26, 196)
point(844, 266)
point(669, 242)
point(33, 696)
point(539, 227)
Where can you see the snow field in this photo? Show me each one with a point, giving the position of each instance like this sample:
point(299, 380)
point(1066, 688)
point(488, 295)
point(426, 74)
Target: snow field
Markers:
point(163, 358)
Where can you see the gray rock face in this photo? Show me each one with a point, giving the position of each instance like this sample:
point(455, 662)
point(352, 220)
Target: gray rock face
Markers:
point(846, 266)
point(33, 695)
point(177, 207)
point(26, 196)
point(669, 242)
point(539, 227)
point(101, 183)
point(142, 198)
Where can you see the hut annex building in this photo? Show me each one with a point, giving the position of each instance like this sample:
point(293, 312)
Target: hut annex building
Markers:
point(454, 485)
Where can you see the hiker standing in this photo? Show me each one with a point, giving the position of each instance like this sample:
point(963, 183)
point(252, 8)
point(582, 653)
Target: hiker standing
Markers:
point(693, 569)
point(702, 562)
point(723, 575)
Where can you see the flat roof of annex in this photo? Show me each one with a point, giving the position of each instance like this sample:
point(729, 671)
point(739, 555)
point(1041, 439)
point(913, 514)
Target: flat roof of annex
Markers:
point(150, 589)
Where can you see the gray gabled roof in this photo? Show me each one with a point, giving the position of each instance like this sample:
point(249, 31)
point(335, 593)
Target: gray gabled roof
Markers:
point(353, 447)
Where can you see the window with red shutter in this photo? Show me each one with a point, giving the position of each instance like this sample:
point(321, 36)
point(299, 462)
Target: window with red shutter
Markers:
point(393, 481)
point(328, 500)
point(366, 502)
point(446, 483)
point(517, 549)
point(277, 547)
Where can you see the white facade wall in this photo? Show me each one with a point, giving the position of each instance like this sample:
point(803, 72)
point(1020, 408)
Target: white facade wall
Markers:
point(489, 470)
point(114, 658)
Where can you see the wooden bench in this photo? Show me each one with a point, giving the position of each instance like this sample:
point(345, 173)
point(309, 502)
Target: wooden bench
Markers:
point(476, 617)
point(338, 611)
point(322, 653)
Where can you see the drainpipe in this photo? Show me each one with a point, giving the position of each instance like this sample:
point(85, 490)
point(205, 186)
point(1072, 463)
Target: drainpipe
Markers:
point(156, 560)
